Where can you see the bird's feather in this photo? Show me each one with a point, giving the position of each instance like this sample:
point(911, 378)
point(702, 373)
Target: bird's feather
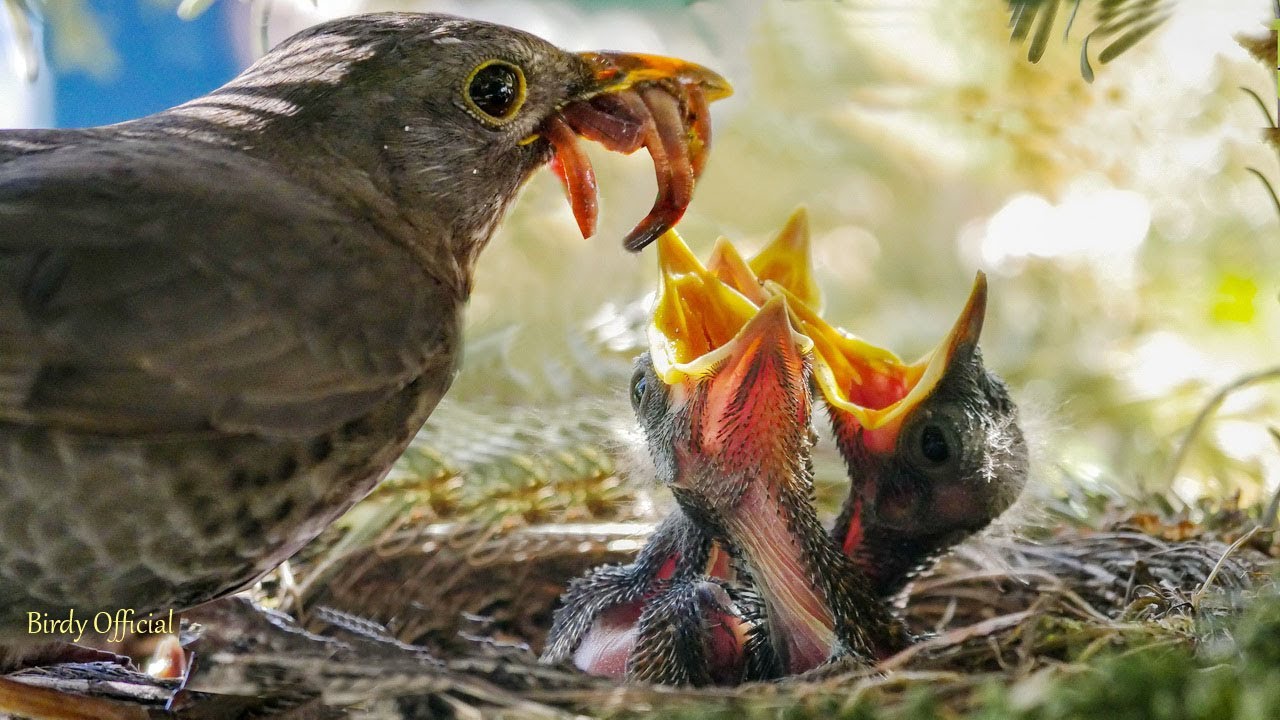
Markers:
point(149, 288)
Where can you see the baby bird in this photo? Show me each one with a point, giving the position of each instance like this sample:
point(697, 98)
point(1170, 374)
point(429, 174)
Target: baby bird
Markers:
point(896, 518)
point(724, 401)
point(933, 449)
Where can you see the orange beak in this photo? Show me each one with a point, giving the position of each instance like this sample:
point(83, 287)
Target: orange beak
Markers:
point(855, 377)
point(635, 101)
point(617, 71)
point(695, 317)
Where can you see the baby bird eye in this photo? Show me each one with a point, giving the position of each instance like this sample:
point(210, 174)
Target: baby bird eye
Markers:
point(941, 441)
point(933, 445)
point(494, 91)
point(639, 383)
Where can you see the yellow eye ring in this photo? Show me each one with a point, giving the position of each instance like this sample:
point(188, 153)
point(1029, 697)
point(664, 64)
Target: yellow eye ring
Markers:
point(495, 91)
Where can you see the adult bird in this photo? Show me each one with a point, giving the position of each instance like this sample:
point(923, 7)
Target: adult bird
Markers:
point(220, 324)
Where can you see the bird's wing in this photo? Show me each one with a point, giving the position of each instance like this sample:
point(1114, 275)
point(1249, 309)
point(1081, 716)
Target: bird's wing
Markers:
point(149, 289)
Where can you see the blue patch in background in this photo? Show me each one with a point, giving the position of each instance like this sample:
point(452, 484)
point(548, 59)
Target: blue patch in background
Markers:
point(164, 61)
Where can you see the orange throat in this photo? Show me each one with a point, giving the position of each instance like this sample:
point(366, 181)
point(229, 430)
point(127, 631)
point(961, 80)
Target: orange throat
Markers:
point(799, 615)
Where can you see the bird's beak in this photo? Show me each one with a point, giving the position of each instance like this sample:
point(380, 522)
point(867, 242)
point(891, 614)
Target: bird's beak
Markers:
point(616, 71)
point(728, 266)
point(788, 261)
point(759, 389)
point(695, 316)
point(750, 361)
point(700, 307)
point(876, 388)
point(853, 374)
point(633, 101)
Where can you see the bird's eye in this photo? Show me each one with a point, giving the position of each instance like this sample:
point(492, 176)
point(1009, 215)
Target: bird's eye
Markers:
point(494, 91)
point(935, 442)
point(639, 383)
point(933, 445)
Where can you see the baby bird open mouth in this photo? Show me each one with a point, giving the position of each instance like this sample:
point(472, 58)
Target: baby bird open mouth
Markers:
point(736, 416)
point(724, 398)
point(933, 448)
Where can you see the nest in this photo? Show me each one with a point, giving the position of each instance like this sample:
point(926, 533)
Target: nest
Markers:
point(444, 620)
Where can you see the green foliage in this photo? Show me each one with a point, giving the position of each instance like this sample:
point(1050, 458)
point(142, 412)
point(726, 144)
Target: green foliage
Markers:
point(1121, 24)
point(1241, 681)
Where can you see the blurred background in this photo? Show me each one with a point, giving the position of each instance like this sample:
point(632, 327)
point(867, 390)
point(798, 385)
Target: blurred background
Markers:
point(1134, 259)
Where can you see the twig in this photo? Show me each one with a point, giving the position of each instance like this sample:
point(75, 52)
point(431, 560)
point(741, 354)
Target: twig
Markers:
point(957, 636)
point(1093, 648)
point(30, 701)
point(1213, 574)
point(1202, 417)
point(948, 615)
point(1084, 606)
point(903, 678)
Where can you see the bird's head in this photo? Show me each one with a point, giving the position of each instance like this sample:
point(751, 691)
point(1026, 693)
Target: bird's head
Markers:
point(450, 116)
point(723, 393)
point(933, 448)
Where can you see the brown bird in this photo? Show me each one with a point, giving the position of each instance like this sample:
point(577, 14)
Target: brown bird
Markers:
point(221, 324)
